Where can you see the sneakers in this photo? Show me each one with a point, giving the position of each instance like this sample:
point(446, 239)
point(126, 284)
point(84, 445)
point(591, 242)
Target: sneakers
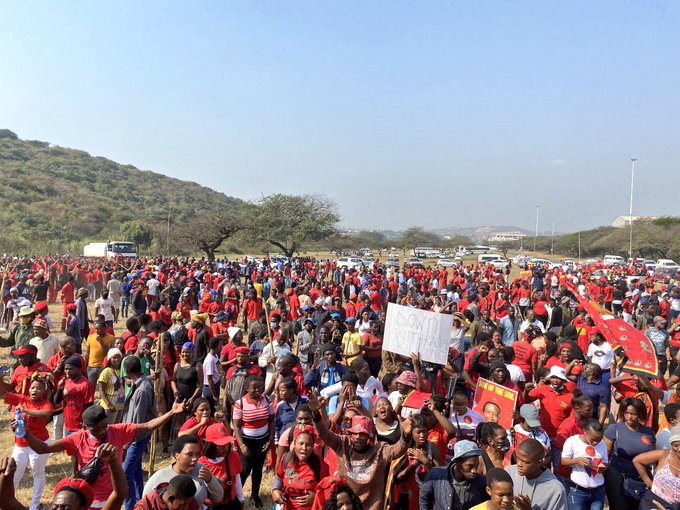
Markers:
point(257, 502)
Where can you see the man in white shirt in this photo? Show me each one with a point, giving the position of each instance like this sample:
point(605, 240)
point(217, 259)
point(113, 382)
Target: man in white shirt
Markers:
point(105, 306)
point(531, 320)
point(46, 343)
point(152, 284)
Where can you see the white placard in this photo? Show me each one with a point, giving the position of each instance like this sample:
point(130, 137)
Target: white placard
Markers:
point(410, 330)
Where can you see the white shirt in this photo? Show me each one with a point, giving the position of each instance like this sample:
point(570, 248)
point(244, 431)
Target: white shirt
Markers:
point(105, 307)
point(210, 369)
point(153, 285)
point(46, 348)
point(526, 323)
point(516, 373)
point(601, 355)
point(573, 448)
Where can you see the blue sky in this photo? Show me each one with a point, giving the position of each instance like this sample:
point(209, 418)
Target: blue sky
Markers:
point(403, 112)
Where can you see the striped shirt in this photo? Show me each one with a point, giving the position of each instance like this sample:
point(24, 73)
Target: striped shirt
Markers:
point(254, 416)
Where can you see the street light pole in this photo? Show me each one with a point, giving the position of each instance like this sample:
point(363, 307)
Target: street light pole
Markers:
point(538, 208)
point(167, 242)
point(630, 210)
point(552, 239)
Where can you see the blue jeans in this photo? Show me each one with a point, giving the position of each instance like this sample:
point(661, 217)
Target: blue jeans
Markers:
point(578, 499)
point(124, 306)
point(132, 466)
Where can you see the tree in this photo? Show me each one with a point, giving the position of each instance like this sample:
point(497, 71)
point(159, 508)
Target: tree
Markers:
point(136, 232)
point(291, 221)
point(417, 236)
point(505, 247)
point(208, 232)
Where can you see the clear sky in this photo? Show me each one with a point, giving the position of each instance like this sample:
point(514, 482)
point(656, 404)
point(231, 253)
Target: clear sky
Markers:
point(432, 113)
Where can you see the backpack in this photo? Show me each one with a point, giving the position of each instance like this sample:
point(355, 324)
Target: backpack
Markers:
point(236, 385)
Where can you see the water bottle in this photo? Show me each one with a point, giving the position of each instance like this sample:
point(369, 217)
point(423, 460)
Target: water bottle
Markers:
point(20, 430)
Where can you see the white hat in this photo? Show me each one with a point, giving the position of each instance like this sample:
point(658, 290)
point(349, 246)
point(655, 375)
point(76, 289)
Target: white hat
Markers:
point(559, 372)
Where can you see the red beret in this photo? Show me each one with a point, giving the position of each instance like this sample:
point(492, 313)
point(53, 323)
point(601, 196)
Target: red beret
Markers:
point(80, 486)
point(565, 345)
point(39, 307)
point(243, 349)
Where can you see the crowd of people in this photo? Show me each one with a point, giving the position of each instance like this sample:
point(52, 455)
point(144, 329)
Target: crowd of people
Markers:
point(235, 369)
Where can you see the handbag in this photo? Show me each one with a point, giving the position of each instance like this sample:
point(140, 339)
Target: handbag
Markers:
point(651, 501)
point(632, 488)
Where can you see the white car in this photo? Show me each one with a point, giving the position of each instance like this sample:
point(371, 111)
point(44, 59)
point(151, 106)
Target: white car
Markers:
point(369, 262)
point(394, 254)
point(392, 262)
point(349, 262)
point(499, 263)
point(447, 263)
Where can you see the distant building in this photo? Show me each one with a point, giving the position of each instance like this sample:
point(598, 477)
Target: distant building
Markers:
point(624, 221)
point(511, 236)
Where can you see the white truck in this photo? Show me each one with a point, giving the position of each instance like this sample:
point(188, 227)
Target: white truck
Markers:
point(110, 250)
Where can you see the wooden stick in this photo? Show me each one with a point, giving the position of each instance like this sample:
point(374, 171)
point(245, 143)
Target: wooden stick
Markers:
point(159, 395)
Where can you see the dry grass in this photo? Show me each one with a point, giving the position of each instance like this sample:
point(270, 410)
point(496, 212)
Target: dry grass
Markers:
point(59, 464)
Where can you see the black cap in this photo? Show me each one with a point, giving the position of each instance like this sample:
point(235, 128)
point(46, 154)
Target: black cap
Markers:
point(93, 415)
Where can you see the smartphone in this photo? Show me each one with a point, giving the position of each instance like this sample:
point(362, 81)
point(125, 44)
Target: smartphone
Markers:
point(4, 369)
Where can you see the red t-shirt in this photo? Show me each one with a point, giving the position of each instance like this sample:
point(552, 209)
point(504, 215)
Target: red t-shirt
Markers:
point(555, 407)
point(219, 470)
point(525, 355)
point(298, 478)
point(36, 426)
point(77, 394)
point(474, 375)
point(82, 445)
point(21, 378)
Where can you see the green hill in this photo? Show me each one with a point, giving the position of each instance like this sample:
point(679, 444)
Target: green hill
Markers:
point(55, 199)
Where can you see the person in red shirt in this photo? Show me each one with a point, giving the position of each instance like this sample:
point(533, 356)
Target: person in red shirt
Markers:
point(555, 398)
point(37, 412)
point(526, 355)
point(251, 309)
point(29, 365)
point(67, 297)
point(299, 472)
point(582, 412)
point(76, 393)
point(222, 459)
point(82, 445)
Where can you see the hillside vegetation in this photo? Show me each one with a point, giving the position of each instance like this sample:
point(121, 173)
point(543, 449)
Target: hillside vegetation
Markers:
point(655, 239)
point(56, 199)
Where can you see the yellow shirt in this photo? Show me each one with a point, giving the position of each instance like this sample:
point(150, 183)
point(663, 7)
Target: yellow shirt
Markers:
point(97, 353)
point(351, 343)
point(481, 506)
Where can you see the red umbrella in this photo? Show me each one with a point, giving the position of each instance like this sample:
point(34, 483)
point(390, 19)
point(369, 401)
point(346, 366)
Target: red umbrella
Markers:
point(635, 351)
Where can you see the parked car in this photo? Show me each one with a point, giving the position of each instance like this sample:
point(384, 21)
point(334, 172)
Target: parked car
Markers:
point(665, 274)
point(350, 262)
point(447, 263)
point(499, 262)
point(392, 262)
point(414, 261)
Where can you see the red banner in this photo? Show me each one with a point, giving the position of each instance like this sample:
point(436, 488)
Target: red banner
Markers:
point(489, 393)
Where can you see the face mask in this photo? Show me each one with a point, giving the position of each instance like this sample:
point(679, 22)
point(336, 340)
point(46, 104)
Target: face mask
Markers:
point(504, 446)
point(274, 325)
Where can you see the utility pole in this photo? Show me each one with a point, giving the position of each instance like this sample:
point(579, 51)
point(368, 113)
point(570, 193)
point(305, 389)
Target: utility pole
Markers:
point(630, 209)
point(538, 208)
point(552, 239)
point(167, 245)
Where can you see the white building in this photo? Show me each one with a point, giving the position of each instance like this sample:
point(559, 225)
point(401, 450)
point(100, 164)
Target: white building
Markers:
point(624, 221)
point(512, 236)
